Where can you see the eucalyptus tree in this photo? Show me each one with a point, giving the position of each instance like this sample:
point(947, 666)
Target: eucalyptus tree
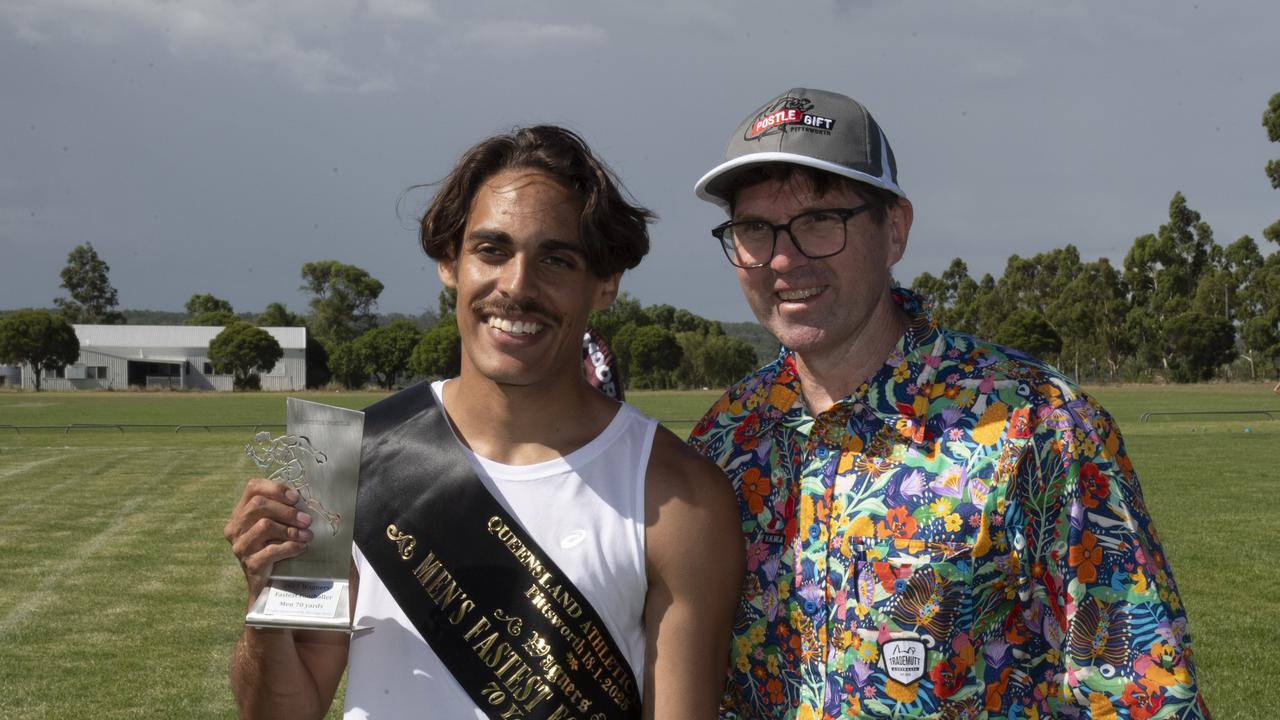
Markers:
point(93, 300)
point(343, 299)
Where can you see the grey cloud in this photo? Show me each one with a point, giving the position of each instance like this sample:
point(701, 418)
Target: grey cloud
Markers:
point(294, 39)
point(527, 38)
point(185, 138)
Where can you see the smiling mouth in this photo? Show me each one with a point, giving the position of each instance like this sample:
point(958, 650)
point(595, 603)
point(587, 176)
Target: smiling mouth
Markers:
point(515, 327)
point(801, 294)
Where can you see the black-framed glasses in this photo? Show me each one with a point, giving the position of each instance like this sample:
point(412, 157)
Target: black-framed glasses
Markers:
point(816, 234)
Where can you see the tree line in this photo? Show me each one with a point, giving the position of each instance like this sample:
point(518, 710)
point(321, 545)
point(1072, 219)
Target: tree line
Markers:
point(349, 344)
point(1180, 308)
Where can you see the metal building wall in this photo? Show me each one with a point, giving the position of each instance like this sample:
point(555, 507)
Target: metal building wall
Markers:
point(289, 374)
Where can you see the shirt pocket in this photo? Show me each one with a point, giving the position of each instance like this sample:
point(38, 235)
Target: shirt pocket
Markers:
point(911, 620)
point(911, 585)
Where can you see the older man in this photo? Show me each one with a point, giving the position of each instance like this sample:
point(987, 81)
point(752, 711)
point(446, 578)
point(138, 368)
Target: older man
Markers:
point(936, 526)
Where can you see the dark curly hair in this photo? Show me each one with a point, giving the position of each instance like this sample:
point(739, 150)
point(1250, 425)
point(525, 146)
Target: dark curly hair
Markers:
point(614, 232)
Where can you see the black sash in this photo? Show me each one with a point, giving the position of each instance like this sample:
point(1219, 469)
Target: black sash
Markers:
point(511, 628)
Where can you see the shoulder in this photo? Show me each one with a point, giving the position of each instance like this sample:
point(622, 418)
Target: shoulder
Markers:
point(999, 373)
point(686, 495)
point(413, 395)
point(980, 357)
point(673, 464)
point(677, 470)
point(996, 393)
point(743, 401)
point(397, 407)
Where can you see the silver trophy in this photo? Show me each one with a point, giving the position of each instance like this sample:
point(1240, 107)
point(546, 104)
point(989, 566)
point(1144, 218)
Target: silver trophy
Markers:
point(319, 457)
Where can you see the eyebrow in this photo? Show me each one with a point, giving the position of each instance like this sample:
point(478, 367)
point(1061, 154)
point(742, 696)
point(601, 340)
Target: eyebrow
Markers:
point(496, 236)
point(564, 246)
point(502, 238)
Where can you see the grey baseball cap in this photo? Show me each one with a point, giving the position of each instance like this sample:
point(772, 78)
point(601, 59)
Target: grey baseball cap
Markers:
point(815, 128)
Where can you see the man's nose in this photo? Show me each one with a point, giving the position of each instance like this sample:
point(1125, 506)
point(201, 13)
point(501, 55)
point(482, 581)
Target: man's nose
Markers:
point(786, 253)
point(516, 277)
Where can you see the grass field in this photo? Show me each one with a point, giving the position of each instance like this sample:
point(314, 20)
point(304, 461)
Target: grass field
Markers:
point(119, 598)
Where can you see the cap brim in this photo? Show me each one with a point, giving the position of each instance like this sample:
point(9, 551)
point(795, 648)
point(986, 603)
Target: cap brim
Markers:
point(713, 187)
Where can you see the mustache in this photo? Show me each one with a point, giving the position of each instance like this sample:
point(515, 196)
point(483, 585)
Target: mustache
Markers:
point(522, 306)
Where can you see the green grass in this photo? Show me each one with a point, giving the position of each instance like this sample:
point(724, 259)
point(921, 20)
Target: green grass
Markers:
point(678, 411)
point(171, 408)
point(1210, 482)
point(119, 597)
point(115, 593)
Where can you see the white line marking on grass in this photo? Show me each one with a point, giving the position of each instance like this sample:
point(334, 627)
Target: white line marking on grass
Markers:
point(77, 478)
point(111, 448)
point(23, 468)
point(230, 576)
point(44, 593)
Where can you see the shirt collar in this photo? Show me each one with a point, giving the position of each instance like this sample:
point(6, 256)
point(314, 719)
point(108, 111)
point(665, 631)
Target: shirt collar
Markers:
point(915, 357)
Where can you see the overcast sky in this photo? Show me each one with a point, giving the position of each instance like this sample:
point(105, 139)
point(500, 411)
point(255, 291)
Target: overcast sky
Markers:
point(216, 145)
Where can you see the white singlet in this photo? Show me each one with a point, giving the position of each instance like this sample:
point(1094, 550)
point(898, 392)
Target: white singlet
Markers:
point(586, 511)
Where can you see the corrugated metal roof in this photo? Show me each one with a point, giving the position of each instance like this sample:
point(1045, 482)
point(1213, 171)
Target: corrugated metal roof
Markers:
point(171, 336)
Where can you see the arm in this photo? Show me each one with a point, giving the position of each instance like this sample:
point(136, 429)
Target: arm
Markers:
point(694, 561)
point(1100, 572)
point(279, 673)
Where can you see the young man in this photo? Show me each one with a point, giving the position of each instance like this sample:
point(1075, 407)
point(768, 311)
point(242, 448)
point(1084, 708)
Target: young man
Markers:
point(601, 569)
point(936, 526)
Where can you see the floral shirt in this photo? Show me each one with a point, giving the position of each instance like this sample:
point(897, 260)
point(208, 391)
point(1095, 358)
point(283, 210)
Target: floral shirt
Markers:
point(961, 537)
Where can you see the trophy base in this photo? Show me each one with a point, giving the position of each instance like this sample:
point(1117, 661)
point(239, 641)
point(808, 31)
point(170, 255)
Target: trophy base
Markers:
point(303, 604)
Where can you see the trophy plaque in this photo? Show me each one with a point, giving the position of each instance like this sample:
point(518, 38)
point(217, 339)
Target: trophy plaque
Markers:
point(319, 457)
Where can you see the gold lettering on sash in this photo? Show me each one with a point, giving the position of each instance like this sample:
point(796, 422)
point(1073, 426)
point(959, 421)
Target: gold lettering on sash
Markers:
point(482, 647)
point(552, 598)
point(544, 606)
point(464, 607)
point(428, 569)
point(404, 541)
point(555, 672)
point(481, 625)
point(566, 601)
point(535, 691)
point(617, 685)
point(520, 680)
point(514, 623)
point(525, 674)
point(495, 695)
point(442, 588)
point(536, 646)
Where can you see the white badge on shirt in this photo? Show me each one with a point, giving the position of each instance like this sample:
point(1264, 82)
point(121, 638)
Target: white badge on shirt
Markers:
point(903, 659)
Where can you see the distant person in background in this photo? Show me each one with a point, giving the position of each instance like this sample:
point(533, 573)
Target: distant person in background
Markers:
point(935, 526)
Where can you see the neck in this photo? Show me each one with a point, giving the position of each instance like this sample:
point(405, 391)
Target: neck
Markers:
point(525, 424)
point(829, 375)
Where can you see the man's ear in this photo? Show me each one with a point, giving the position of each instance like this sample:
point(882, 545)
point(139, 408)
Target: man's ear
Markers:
point(448, 272)
point(898, 221)
point(607, 292)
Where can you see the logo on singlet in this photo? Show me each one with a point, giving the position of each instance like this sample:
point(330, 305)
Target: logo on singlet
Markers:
point(573, 539)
